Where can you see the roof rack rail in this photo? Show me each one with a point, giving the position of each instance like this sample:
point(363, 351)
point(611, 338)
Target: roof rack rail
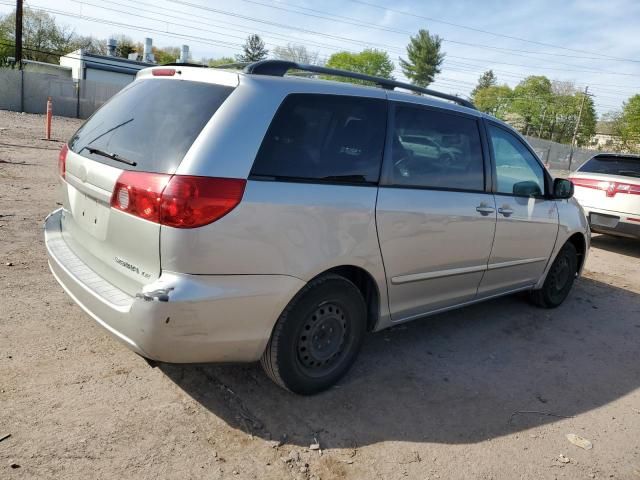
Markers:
point(233, 65)
point(179, 64)
point(278, 68)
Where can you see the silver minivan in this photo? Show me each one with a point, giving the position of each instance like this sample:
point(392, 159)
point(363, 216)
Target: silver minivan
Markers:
point(214, 215)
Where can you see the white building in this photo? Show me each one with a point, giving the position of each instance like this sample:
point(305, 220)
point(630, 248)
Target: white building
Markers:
point(102, 68)
point(110, 68)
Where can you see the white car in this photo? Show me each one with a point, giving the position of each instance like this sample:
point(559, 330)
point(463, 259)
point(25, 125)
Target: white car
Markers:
point(608, 188)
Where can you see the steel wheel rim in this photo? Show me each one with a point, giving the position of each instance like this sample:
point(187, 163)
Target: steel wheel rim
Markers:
point(323, 338)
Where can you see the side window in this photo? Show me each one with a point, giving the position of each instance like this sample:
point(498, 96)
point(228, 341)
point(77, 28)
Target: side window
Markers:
point(518, 171)
point(324, 137)
point(433, 148)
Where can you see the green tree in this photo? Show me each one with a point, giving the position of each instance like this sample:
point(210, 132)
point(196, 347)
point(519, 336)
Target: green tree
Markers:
point(532, 99)
point(495, 100)
point(125, 45)
point(90, 44)
point(369, 62)
point(6, 43)
point(588, 120)
point(296, 53)
point(424, 58)
point(166, 54)
point(486, 80)
point(40, 35)
point(216, 62)
point(253, 50)
point(629, 124)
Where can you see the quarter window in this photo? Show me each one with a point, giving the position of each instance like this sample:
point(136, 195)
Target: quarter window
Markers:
point(324, 137)
point(518, 171)
point(432, 148)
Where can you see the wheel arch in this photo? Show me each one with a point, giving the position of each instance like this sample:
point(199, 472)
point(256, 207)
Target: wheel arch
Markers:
point(578, 241)
point(367, 285)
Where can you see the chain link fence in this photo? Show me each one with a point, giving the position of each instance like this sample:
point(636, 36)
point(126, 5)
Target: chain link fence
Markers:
point(556, 155)
point(24, 91)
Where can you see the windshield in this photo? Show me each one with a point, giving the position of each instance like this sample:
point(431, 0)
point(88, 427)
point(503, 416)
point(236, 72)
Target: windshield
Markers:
point(624, 166)
point(150, 124)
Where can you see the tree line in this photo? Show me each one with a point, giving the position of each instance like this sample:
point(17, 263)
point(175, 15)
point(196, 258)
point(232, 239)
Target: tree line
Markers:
point(44, 40)
point(549, 109)
point(537, 106)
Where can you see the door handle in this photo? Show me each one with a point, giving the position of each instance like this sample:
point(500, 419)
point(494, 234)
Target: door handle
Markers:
point(506, 211)
point(485, 209)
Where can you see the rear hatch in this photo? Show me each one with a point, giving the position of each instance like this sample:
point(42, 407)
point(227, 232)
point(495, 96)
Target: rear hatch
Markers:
point(609, 182)
point(147, 127)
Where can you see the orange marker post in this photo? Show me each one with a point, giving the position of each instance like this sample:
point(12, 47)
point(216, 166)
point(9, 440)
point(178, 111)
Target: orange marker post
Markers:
point(49, 115)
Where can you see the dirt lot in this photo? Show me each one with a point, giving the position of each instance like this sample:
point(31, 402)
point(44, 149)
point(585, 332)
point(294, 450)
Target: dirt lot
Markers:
point(486, 392)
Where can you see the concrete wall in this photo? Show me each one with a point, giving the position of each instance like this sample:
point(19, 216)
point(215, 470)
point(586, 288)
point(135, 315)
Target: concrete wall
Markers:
point(11, 81)
point(48, 68)
point(28, 92)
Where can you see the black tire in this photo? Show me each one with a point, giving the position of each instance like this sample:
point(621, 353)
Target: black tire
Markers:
point(559, 280)
point(317, 337)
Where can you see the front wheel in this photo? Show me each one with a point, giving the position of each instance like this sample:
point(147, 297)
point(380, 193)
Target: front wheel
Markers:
point(317, 337)
point(559, 280)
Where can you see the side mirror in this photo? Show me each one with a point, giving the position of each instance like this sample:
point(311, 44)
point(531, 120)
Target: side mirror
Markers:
point(562, 188)
point(526, 189)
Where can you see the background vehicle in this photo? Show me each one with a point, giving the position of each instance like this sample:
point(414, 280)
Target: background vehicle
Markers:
point(608, 188)
point(220, 216)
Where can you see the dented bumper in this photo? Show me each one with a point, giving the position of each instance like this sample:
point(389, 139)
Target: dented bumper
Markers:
point(179, 318)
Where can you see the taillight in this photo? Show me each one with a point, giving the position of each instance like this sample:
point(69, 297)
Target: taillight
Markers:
point(140, 194)
point(180, 201)
point(610, 187)
point(62, 160)
point(190, 202)
point(163, 72)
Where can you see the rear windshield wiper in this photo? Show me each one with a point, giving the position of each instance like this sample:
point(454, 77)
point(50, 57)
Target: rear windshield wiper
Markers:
point(121, 124)
point(112, 156)
point(629, 173)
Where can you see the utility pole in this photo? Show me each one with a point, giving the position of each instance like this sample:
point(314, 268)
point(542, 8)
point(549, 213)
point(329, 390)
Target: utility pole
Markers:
point(544, 113)
point(575, 131)
point(18, 40)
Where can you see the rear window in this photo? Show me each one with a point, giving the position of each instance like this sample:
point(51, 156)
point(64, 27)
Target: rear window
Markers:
point(324, 138)
point(150, 122)
point(626, 167)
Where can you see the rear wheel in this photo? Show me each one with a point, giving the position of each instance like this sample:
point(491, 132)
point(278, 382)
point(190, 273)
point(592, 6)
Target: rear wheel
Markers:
point(317, 337)
point(559, 280)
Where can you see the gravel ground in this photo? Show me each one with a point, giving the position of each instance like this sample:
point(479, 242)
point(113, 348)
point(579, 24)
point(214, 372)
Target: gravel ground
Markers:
point(487, 392)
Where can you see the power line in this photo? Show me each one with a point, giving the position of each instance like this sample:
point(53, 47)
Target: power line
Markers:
point(360, 42)
point(210, 40)
point(489, 32)
point(208, 23)
point(354, 21)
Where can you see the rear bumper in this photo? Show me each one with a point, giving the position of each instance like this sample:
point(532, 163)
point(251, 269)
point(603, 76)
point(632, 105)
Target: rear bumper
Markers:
point(178, 318)
point(619, 225)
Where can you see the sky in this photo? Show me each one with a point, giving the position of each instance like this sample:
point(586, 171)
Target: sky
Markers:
point(591, 43)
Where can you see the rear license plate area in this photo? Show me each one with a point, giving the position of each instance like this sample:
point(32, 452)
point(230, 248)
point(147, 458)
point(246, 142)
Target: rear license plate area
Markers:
point(89, 214)
point(600, 220)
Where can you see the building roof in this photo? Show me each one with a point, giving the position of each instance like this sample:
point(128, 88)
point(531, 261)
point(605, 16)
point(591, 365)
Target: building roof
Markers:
point(106, 62)
point(45, 64)
point(108, 58)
